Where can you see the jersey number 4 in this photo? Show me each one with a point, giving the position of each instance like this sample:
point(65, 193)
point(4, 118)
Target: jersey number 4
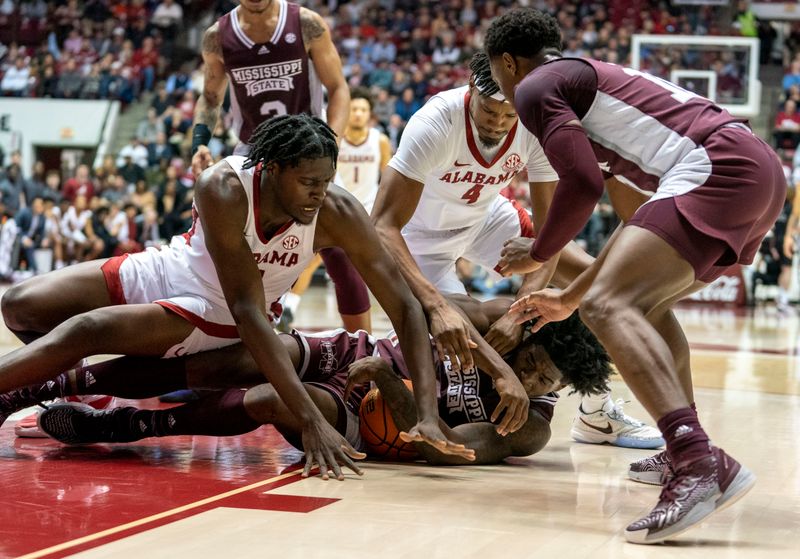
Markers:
point(472, 195)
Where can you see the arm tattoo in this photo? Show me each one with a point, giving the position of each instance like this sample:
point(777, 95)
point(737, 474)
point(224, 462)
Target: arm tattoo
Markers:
point(211, 44)
point(312, 27)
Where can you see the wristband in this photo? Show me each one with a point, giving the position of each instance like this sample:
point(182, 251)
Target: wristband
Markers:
point(200, 137)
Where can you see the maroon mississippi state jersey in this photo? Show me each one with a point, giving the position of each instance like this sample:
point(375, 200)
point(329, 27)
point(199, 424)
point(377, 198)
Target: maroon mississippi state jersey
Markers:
point(268, 79)
point(464, 396)
point(643, 129)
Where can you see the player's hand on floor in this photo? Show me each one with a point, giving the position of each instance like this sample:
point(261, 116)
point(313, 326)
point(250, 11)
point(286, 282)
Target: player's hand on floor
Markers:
point(363, 371)
point(504, 335)
point(201, 160)
point(450, 332)
point(431, 433)
point(547, 305)
point(514, 401)
point(515, 258)
point(324, 446)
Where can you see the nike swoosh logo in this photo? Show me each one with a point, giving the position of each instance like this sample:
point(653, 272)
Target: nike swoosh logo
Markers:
point(607, 430)
point(457, 164)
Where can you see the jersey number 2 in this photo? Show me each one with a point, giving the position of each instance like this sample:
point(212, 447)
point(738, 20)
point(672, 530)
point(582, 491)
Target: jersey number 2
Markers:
point(273, 108)
point(472, 195)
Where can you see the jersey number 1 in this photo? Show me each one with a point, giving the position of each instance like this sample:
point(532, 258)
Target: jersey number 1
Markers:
point(472, 195)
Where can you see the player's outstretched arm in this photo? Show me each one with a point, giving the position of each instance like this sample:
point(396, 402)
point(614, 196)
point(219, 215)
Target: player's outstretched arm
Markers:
point(398, 197)
point(328, 66)
point(206, 113)
point(222, 208)
point(343, 222)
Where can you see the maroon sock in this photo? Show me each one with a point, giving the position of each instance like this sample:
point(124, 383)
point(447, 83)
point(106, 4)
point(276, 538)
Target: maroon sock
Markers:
point(686, 439)
point(132, 377)
point(694, 407)
point(219, 414)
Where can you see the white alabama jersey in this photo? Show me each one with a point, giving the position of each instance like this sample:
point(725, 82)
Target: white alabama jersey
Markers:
point(280, 259)
point(440, 148)
point(359, 167)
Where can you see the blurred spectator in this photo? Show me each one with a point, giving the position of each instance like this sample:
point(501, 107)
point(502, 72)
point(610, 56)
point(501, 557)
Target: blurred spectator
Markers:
point(394, 130)
point(70, 81)
point(79, 185)
point(446, 52)
point(81, 243)
point(148, 129)
point(12, 187)
point(145, 62)
point(142, 196)
point(16, 79)
point(792, 77)
point(31, 222)
point(168, 17)
point(160, 149)
point(179, 82)
point(407, 105)
point(787, 126)
point(384, 108)
point(136, 152)
point(161, 102)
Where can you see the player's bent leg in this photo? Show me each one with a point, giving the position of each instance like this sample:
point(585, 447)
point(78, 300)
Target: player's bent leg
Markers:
point(38, 305)
point(265, 406)
point(641, 272)
point(220, 413)
point(147, 329)
point(352, 295)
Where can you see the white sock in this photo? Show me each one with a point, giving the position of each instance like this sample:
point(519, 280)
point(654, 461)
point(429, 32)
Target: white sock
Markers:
point(591, 403)
point(783, 297)
point(291, 301)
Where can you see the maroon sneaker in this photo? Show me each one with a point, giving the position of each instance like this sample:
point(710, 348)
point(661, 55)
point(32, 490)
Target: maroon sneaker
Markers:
point(697, 491)
point(653, 470)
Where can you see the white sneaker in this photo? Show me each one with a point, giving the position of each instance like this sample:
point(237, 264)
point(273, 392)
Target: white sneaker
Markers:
point(610, 425)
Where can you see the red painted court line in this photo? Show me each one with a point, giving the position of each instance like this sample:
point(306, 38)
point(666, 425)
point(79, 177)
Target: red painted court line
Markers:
point(242, 497)
point(735, 349)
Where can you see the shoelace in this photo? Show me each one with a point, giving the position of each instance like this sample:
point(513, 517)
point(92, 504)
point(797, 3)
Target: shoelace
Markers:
point(618, 413)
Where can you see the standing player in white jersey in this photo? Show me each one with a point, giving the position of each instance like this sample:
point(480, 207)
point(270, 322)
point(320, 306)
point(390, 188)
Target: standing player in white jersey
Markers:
point(257, 222)
point(363, 154)
point(439, 201)
point(277, 56)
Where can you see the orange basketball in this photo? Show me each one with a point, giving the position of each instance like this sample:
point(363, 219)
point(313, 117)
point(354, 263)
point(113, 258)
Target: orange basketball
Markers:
point(381, 436)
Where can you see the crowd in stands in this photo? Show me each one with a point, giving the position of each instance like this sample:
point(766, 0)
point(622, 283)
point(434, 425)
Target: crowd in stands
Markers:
point(95, 49)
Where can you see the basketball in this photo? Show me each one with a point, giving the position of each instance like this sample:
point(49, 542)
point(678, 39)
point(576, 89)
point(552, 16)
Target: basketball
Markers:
point(381, 436)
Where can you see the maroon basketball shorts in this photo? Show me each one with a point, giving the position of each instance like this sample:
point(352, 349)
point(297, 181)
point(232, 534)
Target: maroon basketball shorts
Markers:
point(723, 220)
point(324, 361)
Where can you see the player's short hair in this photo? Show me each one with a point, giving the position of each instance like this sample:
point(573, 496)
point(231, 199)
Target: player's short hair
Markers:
point(523, 32)
point(362, 93)
point(482, 74)
point(287, 139)
point(576, 352)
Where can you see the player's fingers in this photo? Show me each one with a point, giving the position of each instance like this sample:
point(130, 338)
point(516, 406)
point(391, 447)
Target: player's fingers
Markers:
point(407, 437)
point(323, 465)
point(345, 459)
point(334, 465)
point(460, 450)
point(439, 349)
point(511, 410)
point(539, 324)
point(502, 405)
point(352, 452)
point(309, 465)
point(464, 353)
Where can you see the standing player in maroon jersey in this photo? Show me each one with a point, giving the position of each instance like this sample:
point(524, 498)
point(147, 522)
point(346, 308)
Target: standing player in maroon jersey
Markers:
point(277, 56)
point(717, 190)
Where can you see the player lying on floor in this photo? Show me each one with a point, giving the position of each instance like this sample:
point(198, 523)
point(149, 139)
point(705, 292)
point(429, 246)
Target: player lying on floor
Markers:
point(564, 354)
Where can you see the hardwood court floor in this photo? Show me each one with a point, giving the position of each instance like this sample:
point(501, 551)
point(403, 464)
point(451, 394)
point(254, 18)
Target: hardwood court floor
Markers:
point(242, 497)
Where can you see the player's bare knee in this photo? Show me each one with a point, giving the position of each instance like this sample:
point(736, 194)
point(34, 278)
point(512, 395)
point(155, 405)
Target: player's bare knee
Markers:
point(19, 308)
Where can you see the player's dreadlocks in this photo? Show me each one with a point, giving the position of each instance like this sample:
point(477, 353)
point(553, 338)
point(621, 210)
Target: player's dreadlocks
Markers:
point(576, 352)
point(482, 74)
point(523, 32)
point(362, 93)
point(287, 139)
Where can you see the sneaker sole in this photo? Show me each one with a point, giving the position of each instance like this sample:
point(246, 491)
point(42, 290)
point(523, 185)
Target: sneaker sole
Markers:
point(58, 415)
point(624, 442)
point(739, 487)
point(30, 432)
point(650, 478)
